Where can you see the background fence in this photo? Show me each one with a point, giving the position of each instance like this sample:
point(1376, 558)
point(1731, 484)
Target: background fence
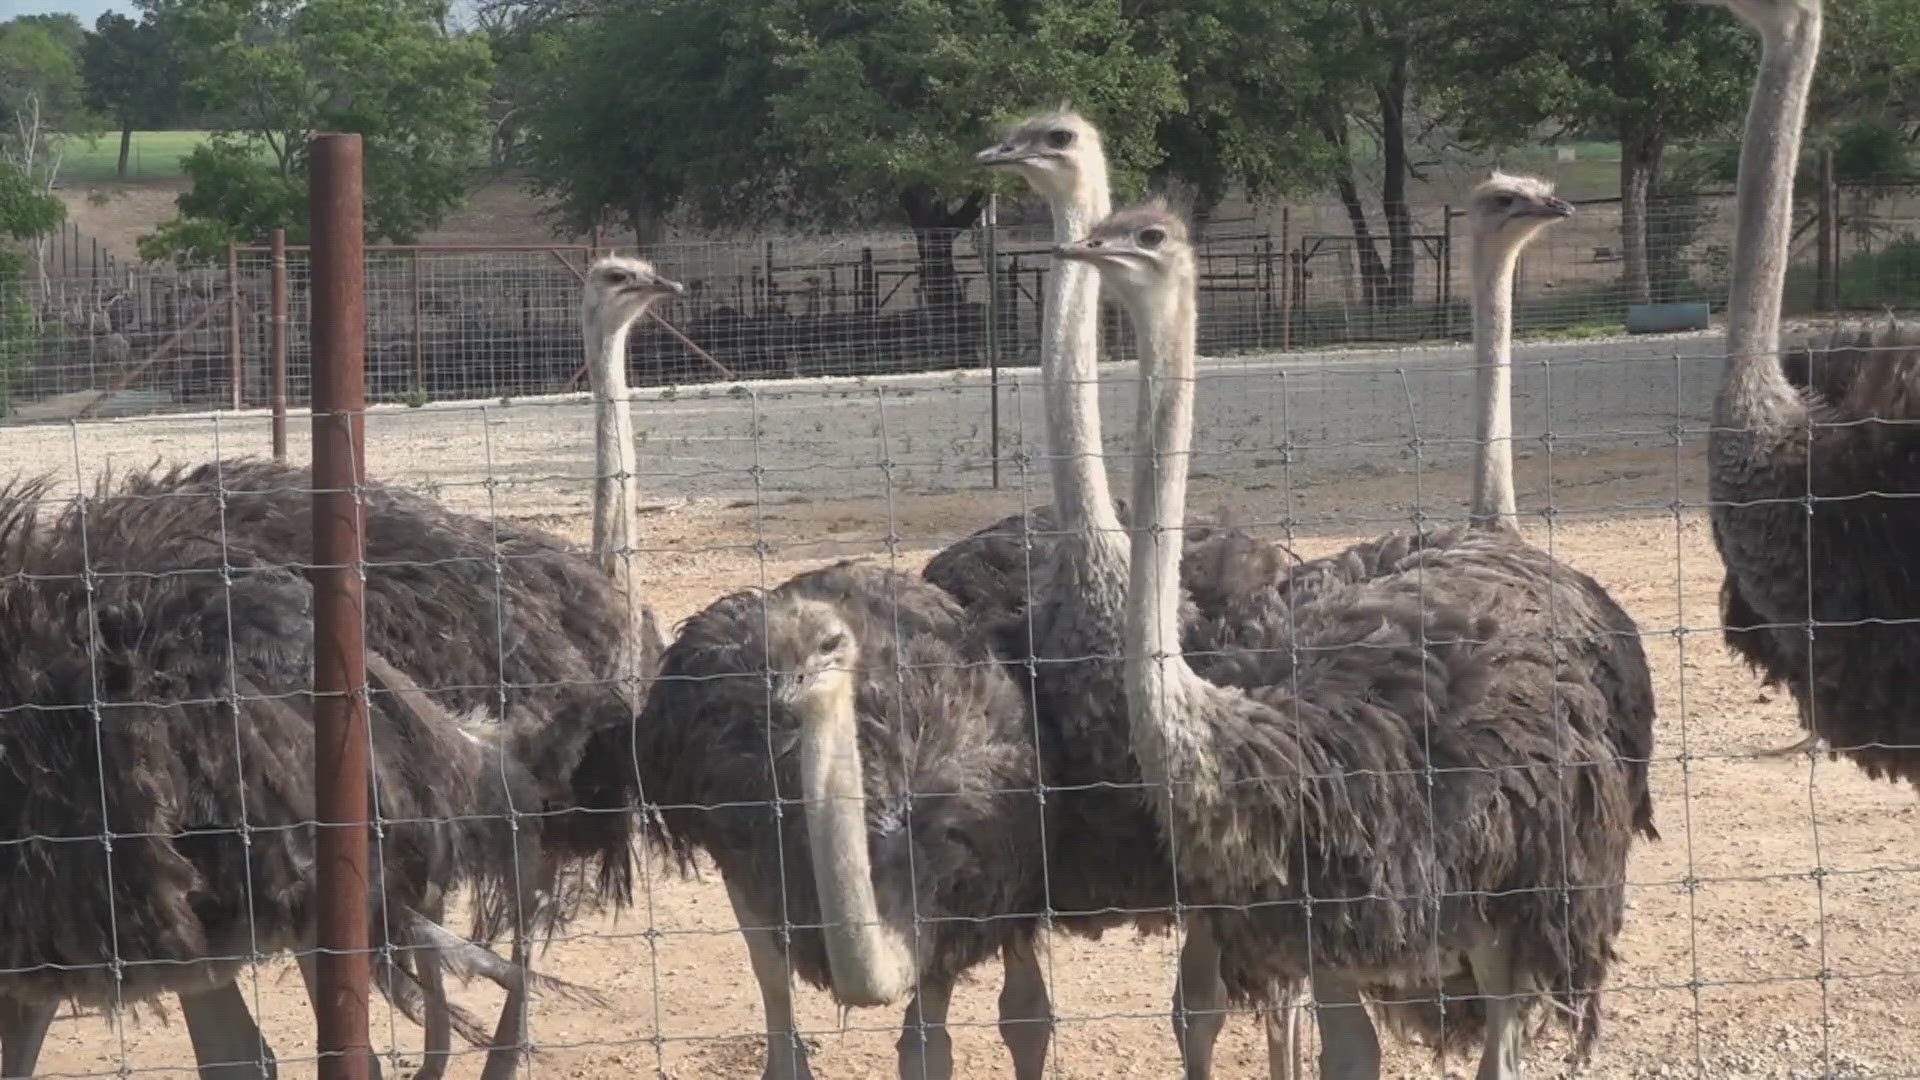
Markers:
point(491, 322)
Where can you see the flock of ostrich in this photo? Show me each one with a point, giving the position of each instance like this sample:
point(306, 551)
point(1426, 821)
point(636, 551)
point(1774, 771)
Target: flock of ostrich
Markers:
point(1403, 779)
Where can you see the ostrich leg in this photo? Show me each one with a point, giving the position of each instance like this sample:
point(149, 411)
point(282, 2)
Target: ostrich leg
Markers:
point(437, 1021)
point(786, 1056)
point(1506, 1034)
point(227, 1044)
point(510, 1037)
point(23, 1030)
point(1349, 1048)
point(1026, 1012)
point(1283, 1035)
point(1199, 999)
point(926, 1050)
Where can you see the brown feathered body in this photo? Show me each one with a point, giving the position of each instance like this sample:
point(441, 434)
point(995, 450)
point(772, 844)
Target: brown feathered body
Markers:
point(947, 754)
point(1444, 730)
point(1812, 519)
point(156, 778)
point(485, 615)
point(1239, 595)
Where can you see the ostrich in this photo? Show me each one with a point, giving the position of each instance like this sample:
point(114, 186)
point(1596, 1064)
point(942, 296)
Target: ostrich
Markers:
point(548, 642)
point(160, 713)
point(1395, 790)
point(1068, 617)
point(909, 861)
point(1506, 214)
point(1815, 467)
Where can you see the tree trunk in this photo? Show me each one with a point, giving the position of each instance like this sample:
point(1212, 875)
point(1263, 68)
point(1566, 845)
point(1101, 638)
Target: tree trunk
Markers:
point(126, 146)
point(935, 224)
point(1398, 291)
point(1639, 161)
point(1333, 127)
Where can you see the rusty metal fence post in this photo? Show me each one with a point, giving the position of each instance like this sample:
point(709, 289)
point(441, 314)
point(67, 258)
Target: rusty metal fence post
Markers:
point(236, 356)
point(279, 349)
point(340, 760)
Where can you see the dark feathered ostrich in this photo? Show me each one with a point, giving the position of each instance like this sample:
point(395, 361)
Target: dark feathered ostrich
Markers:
point(1105, 866)
point(510, 623)
point(1431, 780)
point(1814, 474)
point(156, 802)
point(851, 755)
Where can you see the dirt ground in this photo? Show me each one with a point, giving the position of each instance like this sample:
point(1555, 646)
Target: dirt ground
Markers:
point(1773, 932)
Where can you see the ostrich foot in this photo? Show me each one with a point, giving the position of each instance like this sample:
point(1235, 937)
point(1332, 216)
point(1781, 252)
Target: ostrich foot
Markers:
point(1349, 1048)
point(786, 1055)
point(227, 1044)
point(1026, 1012)
point(1812, 744)
point(926, 1050)
point(1199, 1000)
point(1506, 1036)
point(23, 1030)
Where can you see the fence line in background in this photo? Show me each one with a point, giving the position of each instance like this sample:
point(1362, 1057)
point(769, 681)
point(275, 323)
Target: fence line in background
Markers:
point(462, 322)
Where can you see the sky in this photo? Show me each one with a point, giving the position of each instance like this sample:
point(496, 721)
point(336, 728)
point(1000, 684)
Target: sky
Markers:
point(86, 10)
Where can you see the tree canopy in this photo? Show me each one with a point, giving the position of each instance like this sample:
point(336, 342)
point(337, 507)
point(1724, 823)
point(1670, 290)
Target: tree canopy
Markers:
point(276, 71)
point(132, 74)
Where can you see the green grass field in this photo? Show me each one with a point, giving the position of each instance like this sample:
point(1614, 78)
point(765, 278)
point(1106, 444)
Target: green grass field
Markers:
point(155, 155)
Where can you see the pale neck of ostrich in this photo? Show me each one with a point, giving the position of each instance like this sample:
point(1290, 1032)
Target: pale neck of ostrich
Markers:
point(1754, 392)
point(1160, 686)
point(616, 483)
point(1493, 504)
point(870, 961)
point(1070, 372)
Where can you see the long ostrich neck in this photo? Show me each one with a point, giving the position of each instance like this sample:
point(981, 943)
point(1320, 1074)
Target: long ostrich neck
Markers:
point(1755, 392)
point(616, 482)
point(870, 961)
point(1070, 374)
point(1160, 686)
point(1493, 502)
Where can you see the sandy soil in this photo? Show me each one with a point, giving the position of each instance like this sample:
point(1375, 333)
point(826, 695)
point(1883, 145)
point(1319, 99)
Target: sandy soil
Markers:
point(1773, 932)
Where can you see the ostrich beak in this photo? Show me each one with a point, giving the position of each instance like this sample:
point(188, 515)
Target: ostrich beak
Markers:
point(658, 287)
point(1089, 251)
point(1001, 154)
point(1553, 207)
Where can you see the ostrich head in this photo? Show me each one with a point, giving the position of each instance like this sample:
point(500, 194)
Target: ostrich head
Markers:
point(1143, 256)
point(619, 290)
point(1054, 150)
point(1506, 211)
point(811, 653)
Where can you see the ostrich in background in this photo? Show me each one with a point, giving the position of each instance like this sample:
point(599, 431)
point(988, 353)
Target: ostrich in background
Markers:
point(539, 637)
point(1844, 642)
point(1067, 617)
point(1505, 213)
point(910, 746)
point(1431, 780)
point(167, 688)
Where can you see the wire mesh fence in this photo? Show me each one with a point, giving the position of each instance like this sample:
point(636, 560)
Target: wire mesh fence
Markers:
point(486, 323)
point(1766, 934)
point(635, 834)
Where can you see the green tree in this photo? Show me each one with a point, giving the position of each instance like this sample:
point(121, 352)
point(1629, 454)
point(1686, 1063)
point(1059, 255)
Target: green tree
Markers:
point(745, 111)
point(27, 213)
point(276, 71)
point(1652, 72)
point(132, 75)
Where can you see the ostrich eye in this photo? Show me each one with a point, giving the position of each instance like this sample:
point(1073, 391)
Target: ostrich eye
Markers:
point(832, 644)
point(1152, 237)
point(1503, 201)
point(1060, 138)
point(618, 277)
